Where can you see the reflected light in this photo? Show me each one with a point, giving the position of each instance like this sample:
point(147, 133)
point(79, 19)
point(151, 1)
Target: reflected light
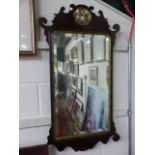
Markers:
point(23, 46)
point(87, 42)
point(22, 36)
point(99, 57)
point(107, 39)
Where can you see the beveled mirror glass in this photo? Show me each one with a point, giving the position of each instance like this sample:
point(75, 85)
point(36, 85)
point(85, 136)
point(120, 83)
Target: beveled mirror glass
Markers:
point(82, 64)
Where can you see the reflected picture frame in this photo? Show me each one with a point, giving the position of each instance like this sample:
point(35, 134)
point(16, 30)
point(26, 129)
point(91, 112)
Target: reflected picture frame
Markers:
point(80, 52)
point(71, 99)
point(74, 53)
point(27, 35)
point(98, 49)
point(76, 107)
point(87, 49)
point(93, 75)
point(79, 86)
point(76, 69)
point(79, 115)
point(74, 81)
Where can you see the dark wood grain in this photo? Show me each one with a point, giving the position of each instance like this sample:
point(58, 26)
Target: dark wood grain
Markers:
point(34, 150)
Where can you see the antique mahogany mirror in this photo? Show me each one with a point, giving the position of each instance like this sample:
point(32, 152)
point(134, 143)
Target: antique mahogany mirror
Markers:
point(81, 47)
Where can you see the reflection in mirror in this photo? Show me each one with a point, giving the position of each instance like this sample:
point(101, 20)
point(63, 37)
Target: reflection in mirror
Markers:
point(82, 68)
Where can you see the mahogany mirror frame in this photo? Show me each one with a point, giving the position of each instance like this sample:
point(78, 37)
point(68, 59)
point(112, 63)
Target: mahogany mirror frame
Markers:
point(67, 22)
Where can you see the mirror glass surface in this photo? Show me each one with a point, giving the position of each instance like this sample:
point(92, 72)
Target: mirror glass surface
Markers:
point(82, 74)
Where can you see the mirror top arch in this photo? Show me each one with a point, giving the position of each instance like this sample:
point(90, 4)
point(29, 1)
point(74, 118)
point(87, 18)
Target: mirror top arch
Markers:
point(89, 22)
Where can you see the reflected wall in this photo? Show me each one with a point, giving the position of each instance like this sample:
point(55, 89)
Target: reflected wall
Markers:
point(82, 68)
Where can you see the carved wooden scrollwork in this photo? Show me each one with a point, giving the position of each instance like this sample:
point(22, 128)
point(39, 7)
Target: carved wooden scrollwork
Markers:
point(65, 21)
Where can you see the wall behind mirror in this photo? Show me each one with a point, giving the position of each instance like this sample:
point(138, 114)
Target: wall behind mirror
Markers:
point(34, 82)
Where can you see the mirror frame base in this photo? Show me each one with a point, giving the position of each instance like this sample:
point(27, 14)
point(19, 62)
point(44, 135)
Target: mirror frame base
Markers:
point(83, 143)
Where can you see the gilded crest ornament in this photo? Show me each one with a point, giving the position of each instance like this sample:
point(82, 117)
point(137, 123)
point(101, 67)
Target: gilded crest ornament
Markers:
point(82, 16)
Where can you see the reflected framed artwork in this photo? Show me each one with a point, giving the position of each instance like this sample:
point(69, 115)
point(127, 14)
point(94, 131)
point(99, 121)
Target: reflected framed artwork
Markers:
point(74, 52)
point(79, 117)
point(98, 48)
point(87, 48)
point(93, 74)
point(80, 52)
point(79, 85)
point(86, 116)
point(76, 69)
point(76, 108)
point(71, 100)
point(74, 81)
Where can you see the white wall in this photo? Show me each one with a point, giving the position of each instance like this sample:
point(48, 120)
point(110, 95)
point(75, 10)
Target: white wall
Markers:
point(34, 84)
